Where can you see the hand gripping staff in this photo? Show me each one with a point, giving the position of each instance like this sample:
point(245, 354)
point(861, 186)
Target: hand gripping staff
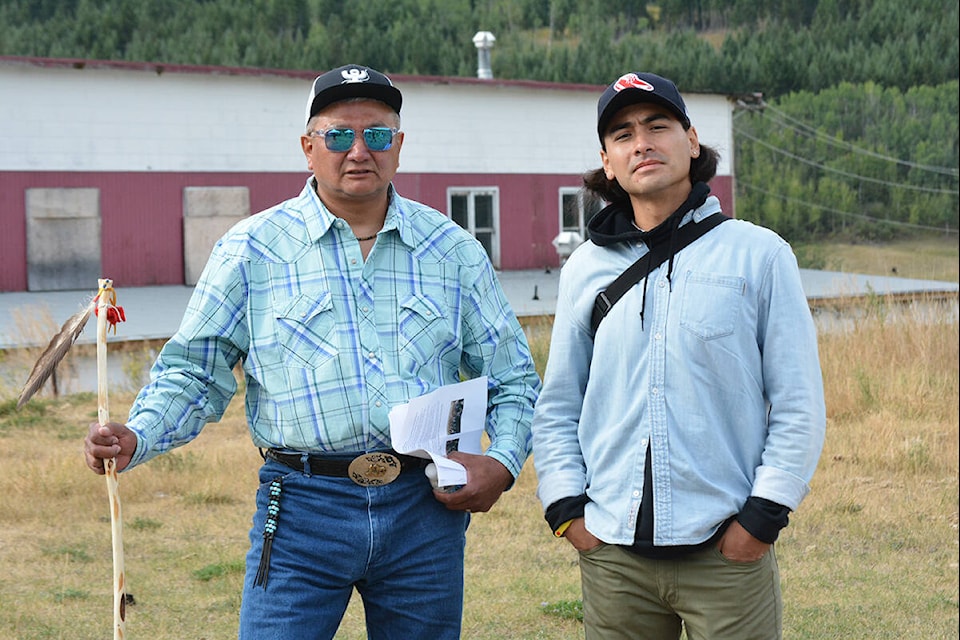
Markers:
point(104, 306)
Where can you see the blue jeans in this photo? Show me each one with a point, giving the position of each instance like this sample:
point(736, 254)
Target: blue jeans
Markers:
point(400, 548)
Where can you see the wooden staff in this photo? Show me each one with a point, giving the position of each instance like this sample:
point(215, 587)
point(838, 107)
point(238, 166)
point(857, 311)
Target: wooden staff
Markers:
point(108, 315)
point(106, 306)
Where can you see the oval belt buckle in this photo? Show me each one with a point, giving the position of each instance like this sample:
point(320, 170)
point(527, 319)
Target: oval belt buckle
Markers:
point(374, 469)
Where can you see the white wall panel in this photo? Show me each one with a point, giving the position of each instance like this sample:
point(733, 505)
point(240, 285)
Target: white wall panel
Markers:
point(497, 129)
point(136, 119)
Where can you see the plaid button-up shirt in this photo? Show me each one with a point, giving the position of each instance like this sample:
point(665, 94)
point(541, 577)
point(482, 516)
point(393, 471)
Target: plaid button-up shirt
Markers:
point(329, 342)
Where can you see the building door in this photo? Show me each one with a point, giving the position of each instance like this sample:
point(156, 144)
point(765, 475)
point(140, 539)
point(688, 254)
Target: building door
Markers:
point(63, 239)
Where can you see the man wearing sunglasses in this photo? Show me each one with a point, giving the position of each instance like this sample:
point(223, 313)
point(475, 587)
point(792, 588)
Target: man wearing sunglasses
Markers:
point(342, 303)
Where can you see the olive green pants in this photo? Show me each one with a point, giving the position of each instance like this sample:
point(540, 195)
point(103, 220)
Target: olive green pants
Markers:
point(628, 597)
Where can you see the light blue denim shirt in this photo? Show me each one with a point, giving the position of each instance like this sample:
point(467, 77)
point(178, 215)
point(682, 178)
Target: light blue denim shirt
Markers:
point(330, 342)
point(722, 382)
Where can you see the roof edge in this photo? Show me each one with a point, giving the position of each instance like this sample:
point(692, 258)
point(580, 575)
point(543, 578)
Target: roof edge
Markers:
point(163, 67)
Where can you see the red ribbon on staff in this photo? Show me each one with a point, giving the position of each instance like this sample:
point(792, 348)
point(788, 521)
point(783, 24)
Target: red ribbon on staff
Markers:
point(115, 314)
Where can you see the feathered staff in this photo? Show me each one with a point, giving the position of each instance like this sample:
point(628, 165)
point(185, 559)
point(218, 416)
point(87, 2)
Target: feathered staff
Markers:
point(108, 314)
point(104, 305)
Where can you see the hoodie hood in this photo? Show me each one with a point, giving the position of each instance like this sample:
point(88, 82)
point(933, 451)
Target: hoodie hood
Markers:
point(614, 223)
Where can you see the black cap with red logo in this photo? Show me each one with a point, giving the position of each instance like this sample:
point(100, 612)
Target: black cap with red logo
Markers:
point(635, 87)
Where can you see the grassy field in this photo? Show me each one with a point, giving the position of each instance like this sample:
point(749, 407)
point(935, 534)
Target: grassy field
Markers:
point(872, 553)
point(926, 258)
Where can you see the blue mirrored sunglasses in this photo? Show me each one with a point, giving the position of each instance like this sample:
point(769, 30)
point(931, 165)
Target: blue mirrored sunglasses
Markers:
point(341, 140)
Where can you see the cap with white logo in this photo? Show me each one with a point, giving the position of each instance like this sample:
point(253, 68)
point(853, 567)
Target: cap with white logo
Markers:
point(352, 81)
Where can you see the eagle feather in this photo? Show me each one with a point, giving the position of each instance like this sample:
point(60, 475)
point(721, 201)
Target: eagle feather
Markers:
point(55, 352)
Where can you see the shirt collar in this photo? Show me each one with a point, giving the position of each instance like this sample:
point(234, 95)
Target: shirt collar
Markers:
point(319, 220)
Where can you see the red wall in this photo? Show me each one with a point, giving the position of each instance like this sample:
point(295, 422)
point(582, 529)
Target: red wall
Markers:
point(141, 218)
point(142, 227)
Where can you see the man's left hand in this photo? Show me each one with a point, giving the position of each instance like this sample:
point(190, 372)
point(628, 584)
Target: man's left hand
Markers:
point(487, 479)
point(737, 545)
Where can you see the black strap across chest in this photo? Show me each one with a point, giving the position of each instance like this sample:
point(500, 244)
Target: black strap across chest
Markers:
point(647, 263)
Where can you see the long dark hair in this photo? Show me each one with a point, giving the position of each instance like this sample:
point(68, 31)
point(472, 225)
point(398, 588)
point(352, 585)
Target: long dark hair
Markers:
point(702, 169)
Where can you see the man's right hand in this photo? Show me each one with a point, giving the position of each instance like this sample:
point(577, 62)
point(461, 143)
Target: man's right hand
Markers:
point(581, 539)
point(111, 440)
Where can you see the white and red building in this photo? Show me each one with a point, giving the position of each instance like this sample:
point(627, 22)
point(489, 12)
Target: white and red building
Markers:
point(132, 170)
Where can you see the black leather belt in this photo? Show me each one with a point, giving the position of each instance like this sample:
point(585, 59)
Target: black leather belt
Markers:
point(368, 469)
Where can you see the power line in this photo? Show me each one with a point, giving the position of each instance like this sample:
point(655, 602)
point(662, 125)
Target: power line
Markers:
point(805, 129)
point(848, 214)
point(824, 167)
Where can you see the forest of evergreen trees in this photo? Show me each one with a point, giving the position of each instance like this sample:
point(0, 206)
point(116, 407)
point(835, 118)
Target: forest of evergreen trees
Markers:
point(857, 135)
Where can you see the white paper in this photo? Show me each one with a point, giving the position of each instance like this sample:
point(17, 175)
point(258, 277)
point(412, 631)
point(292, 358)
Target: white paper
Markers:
point(447, 419)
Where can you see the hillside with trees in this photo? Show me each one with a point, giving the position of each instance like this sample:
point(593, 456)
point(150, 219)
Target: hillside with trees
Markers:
point(855, 136)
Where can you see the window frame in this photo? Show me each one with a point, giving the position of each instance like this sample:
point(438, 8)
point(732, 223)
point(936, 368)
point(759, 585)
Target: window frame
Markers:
point(471, 194)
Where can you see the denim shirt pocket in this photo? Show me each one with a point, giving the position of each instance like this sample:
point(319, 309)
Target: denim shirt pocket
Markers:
point(711, 304)
point(306, 330)
point(422, 329)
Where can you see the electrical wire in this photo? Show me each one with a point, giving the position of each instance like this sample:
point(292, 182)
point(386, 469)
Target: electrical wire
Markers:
point(898, 185)
point(807, 130)
point(860, 216)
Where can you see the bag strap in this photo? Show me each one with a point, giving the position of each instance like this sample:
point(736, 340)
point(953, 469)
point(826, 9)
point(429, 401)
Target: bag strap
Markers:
point(647, 263)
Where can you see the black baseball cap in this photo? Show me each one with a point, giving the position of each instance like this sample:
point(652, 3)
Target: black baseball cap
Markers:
point(352, 81)
point(635, 87)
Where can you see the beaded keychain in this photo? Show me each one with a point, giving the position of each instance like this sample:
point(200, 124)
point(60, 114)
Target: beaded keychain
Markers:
point(269, 530)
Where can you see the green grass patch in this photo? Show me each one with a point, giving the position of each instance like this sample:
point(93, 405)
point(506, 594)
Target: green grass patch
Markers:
point(202, 498)
point(219, 570)
point(72, 553)
point(144, 524)
point(71, 594)
point(566, 609)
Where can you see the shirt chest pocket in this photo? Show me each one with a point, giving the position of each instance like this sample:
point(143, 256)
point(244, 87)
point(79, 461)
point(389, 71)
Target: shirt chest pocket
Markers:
point(423, 331)
point(711, 304)
point(306, 330)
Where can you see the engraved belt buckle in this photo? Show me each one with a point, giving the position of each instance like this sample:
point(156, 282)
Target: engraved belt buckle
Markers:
point(374, 469)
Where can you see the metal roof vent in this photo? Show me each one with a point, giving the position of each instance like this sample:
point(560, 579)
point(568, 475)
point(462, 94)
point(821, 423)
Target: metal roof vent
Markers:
point(484, 40)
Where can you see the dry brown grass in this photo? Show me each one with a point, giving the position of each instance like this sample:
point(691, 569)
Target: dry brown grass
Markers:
point(932, 257)
point(872, 553)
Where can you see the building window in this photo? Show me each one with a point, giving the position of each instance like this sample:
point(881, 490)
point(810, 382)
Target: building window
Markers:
point(477, 209)
point(577, 207)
